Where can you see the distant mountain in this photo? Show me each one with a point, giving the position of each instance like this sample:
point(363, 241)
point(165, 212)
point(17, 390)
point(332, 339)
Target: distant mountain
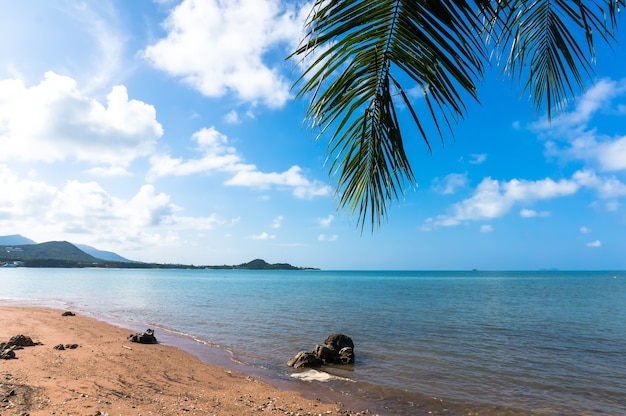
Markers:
point(14, 240)
point(103, 255)
point(16, 249)
point(19, 240)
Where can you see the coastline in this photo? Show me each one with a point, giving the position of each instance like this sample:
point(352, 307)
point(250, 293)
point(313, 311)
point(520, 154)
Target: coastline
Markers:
point(107, 374)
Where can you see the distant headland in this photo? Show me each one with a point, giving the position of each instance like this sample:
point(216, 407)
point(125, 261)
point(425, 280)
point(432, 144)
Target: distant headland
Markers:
point(19, 251)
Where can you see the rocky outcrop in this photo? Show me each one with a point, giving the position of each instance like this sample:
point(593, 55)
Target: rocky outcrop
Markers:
point(305, 359)
point(21, 341)
point(337, 349)
point(62, 347)
point(17, 342)
point(146, 337)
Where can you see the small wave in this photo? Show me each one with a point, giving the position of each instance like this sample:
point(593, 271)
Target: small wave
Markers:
point(314, 375)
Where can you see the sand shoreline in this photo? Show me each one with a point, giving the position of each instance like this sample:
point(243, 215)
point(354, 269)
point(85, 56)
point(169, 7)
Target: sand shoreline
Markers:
point(109, 375)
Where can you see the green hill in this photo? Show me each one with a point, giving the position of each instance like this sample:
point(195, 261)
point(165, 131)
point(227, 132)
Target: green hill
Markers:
point(259, 264)
point(50, 254)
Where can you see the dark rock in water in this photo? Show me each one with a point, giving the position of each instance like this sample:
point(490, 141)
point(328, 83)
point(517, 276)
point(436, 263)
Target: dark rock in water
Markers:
point(305, 359)
point(346, 355)
point(326, 354)
point(338, 349)
point(68, 313)
point(338, 341)
point(146, 337)
point(21, 341)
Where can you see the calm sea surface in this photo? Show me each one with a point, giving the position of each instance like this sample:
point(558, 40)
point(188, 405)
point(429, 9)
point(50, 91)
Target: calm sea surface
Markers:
point(550, 343)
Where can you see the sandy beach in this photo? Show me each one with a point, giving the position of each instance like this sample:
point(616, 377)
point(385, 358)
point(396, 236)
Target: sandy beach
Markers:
point(109, 375)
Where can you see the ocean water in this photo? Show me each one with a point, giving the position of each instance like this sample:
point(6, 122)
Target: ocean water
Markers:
point(454, 343)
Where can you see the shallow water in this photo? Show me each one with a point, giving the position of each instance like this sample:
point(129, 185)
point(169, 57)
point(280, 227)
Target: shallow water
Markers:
point(441, 342)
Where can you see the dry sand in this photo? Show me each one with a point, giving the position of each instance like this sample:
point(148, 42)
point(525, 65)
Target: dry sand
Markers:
point(109, 375)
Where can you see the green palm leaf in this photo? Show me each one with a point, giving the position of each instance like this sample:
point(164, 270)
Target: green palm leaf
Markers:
point(367, 54)
point(544, 42)
point(353, 88)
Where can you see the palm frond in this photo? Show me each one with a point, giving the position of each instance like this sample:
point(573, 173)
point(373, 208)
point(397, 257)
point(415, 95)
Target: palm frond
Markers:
point(367, 54)
point(544, 40)
point(371, 46)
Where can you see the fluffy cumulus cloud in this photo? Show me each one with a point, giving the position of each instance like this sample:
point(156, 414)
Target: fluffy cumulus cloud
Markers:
point(493, 199)
point(55, 121)
point(73, 211)
point(596, 243)
point(220, 47)
point(606, 186)
point(218, 156)
point(292, 178)
point(573, 136)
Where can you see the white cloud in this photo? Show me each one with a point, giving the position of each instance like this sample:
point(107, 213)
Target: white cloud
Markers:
point(607, 187)
point(486, 228)
point(109, 171)
point(54, 121)
point(493, 199)
point(218, 156)
point(292, 178)
point(324, 237)
point(529, 213)
point(325, 222)
point(596, 243)
point(477, 158)
point(612, 154)
point(263, 236)
point(585, 230)
point(84, 212)
point(573, 135)
point(593, 100)
point(450, 183)
point(220, 47)
point(232, 117)
point(278, 221)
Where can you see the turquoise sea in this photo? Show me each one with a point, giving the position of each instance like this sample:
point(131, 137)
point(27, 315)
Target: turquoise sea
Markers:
point(453, 343)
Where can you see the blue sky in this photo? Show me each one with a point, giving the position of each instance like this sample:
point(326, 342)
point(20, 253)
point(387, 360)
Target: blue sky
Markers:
point(166, 131)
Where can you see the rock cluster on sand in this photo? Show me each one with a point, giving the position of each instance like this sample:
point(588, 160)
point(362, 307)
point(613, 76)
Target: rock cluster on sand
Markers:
point(337, 349)
point(17, 342)
point(146, 337)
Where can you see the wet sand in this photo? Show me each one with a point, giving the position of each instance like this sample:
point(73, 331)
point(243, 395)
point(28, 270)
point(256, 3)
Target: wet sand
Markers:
point(109, 375)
